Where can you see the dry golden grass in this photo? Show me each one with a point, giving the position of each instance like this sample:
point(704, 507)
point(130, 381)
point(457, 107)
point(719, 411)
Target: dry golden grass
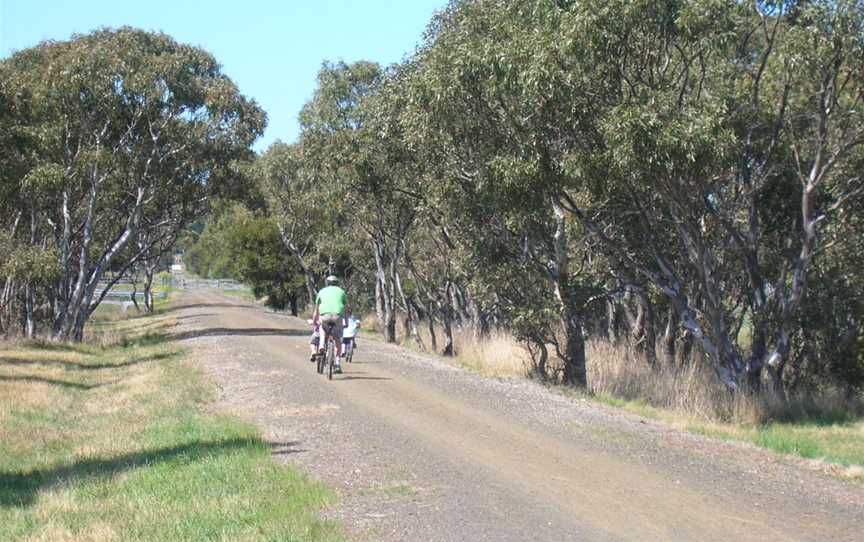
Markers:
point(95, 532)
point(497, 354)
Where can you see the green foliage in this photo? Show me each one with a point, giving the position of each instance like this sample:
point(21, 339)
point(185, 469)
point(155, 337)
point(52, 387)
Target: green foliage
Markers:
point(239, 244)
point(31, 264)
point(112, 143)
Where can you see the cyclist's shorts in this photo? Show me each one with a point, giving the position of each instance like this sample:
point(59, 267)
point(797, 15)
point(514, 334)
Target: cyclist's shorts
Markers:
point(336, 320)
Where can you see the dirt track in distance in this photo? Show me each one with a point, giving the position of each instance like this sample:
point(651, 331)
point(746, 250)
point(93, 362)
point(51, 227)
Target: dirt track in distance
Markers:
point(420, 450)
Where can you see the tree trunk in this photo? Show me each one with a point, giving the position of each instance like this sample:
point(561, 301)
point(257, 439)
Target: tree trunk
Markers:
point(569, 317)
point(75, 314)
point(80, 322)
point(446, 317)
point(29, 324)
point(410, 315)
point(539, 356)
point(433, 339)
point(613, 321)
point(389, 314)
point(134, 295)
point(384, 290)
point(478, 324)
point(379, 301)
point(670, 336)
point(647, 339)
point(149, 271)
point(574, 346)
point(686, 351)
point(758, 349)
point(5, 308)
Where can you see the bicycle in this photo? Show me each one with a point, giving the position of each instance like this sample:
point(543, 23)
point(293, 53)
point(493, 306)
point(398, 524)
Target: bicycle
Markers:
point(348, 349)
point(328, 357)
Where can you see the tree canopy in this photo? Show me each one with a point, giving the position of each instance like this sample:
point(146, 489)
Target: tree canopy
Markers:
point(682, 175)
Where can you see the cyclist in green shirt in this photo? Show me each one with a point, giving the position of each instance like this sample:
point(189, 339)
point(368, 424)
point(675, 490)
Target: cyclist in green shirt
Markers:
point(330, 308)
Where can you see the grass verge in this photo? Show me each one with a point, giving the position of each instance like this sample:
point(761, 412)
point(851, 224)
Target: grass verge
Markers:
point(835, 444)
point(112, 441)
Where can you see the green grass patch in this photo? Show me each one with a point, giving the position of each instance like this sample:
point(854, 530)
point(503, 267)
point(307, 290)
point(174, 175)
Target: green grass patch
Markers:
point(114, 442)
point(836, 438)
point(840, 443)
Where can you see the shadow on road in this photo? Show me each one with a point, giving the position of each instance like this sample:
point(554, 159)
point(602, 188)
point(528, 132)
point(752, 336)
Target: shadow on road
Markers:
point(19, 489)
point(175, 308)
point(197, 315)
point(229, 331)
point(285, 448)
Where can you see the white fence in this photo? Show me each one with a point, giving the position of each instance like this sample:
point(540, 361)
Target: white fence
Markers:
point(221, 284)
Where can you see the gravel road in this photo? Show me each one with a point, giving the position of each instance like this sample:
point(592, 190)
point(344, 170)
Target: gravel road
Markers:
point(420, 450)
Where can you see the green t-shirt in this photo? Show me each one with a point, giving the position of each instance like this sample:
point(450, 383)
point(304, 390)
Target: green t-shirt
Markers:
point(331, 300)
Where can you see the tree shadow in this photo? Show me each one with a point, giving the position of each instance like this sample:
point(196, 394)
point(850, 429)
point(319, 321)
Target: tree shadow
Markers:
point(235, 331)
point(19, 489)
point(52, 346)
point(78, 366)
point(285, 448)
point(54, 382)
point(176, 308)
point(197, 315)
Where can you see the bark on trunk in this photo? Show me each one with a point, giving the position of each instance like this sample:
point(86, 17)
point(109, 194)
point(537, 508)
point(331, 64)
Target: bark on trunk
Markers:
point(385, 289)
point(29, 323)
point(647, 341)
point(379, 300)
point(613, 321)
point(539, 357)
point(569, 317)
point(670, 336)
point(446, 318)
point(134, 295)
point(149, 271)
point(686, 351)
point(410, 315)
point(478, 324)
point(433, 339)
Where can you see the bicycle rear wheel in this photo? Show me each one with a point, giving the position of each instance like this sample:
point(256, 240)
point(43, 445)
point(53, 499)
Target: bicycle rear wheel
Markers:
point(319, 357)
point(331, 358)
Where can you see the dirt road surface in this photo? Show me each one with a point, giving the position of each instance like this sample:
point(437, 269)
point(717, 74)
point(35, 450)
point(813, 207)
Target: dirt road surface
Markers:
point(419, 450)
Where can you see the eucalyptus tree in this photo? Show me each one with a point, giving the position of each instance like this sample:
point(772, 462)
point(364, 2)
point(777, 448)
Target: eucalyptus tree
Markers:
point(351, 155)
point(298, 203)
point(124, 121)
point(491, 87)
point(737, 112)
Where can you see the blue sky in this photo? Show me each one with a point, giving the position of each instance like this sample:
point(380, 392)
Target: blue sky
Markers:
point(271, 49)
